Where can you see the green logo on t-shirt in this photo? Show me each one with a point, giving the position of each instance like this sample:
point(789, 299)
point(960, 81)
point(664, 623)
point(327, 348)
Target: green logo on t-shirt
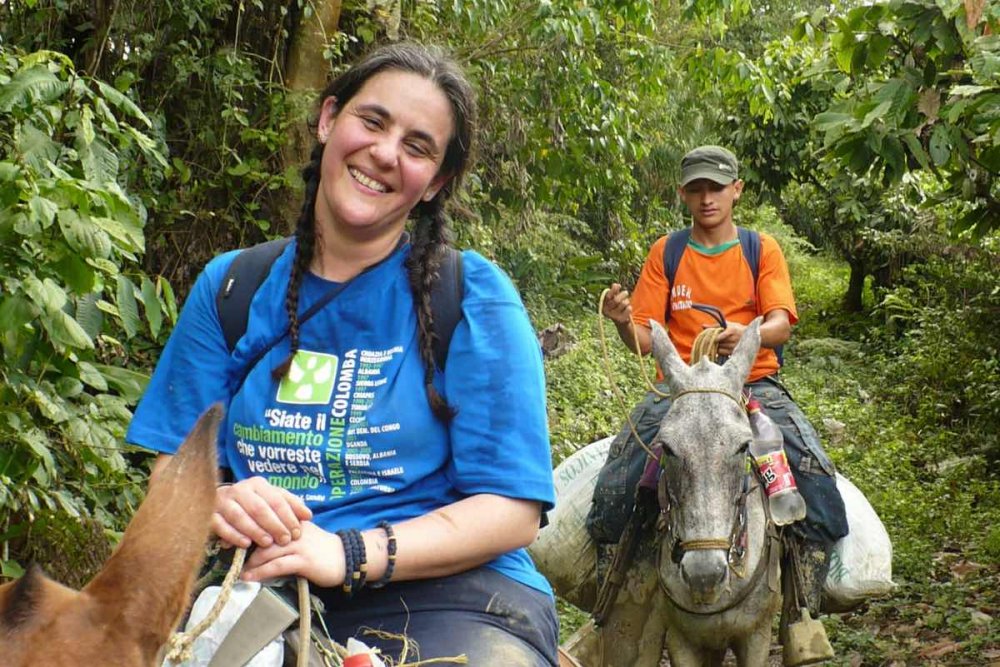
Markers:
point(310, 379)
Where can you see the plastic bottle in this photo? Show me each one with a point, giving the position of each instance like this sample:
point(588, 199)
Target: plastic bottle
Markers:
point(768, 451)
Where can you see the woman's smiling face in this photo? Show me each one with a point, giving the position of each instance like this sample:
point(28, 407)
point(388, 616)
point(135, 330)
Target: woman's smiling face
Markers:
point(384, 149)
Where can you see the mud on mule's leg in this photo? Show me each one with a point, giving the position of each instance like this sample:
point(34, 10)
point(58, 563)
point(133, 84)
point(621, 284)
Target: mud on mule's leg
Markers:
point(632, 635)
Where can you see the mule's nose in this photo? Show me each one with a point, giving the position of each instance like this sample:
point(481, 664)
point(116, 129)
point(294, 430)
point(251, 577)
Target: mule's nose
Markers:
point(705, 573)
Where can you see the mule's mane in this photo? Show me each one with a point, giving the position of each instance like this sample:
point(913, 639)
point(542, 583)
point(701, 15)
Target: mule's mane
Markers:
point(23, 599)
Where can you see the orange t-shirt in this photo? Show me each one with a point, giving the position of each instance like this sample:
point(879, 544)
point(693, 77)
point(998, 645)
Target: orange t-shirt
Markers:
point(724, 281)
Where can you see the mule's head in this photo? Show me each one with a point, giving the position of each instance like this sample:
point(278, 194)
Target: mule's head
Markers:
point(126, 613)
point(705, 438)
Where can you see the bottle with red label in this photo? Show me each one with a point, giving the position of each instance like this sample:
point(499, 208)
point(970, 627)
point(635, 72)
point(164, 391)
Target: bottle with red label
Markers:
point(768, 451)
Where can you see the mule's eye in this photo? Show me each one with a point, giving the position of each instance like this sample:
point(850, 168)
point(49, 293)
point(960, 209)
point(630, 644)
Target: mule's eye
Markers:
point(743, 449)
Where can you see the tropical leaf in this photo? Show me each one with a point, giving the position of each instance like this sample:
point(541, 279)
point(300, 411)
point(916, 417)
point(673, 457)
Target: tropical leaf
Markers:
point(82, 235)
point(128, 309)
point(65, 331)
point(129, 384)
point(100, 163)
point(31, 84)
point(151, 305)
point(89, 315)
point(122, 101)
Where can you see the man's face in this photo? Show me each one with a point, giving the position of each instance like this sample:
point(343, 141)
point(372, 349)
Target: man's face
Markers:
point(711, 203)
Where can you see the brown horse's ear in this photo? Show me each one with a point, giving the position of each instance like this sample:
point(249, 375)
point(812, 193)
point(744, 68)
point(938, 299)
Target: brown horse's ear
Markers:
point(674, 369)
point(741, 360)
point(149, 576)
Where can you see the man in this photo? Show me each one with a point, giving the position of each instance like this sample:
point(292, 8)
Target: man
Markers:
point(712, 270)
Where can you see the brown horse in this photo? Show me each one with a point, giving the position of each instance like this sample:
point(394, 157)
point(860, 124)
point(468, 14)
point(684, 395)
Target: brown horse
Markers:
point(126, 613)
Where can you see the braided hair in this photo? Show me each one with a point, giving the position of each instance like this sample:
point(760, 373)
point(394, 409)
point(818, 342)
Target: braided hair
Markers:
point(430, 231)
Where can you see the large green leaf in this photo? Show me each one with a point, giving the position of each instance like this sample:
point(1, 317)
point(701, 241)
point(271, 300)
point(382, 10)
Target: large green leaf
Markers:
point(66, 331)
point(940, 145)
point(123, 102)
point(100, 163)
point(89, 315)
point(45, 293)
point(151, 304)
point(15, 312)
point(33, 83)
point(91, 376)
point(83, 235)
point(128, 309)
point(129, 384)
point(37, 148)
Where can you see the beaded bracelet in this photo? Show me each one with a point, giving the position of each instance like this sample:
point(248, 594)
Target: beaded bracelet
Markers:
point(360, 557)
point(391, 549)
point(345, 539)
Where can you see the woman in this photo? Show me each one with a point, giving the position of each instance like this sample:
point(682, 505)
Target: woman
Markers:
point(359, 464)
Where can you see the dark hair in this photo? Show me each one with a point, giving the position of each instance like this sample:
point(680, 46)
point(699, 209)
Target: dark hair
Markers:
point(430, 233)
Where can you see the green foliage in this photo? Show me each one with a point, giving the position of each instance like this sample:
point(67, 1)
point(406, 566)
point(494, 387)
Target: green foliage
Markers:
point(922, 92)
point(74, 307)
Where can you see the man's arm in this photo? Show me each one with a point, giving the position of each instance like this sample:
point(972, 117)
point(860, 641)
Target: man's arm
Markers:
point(618, 309)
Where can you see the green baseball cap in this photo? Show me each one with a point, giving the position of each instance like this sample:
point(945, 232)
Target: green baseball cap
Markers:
point(712, 162)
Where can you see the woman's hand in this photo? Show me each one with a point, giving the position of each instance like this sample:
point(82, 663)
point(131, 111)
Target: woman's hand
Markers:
point(254, 511)
point(316, 555)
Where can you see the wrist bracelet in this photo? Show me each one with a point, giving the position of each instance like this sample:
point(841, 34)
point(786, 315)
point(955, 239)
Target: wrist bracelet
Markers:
point(345, 540)
point(390, 565)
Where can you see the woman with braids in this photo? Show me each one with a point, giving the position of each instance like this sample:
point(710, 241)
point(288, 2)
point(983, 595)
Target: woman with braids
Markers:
point(404, 493)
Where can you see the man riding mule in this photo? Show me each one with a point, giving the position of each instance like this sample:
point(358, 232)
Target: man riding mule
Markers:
point(710, 275)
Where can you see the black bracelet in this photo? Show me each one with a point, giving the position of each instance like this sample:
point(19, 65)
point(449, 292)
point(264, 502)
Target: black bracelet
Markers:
point(361, 559)
point(345, 540)
point(391, 549)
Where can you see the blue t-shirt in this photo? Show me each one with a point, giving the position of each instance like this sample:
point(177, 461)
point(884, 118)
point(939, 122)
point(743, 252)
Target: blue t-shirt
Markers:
point(349, 429)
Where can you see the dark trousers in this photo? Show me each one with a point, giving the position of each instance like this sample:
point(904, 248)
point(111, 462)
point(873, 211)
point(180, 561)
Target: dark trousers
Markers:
point(614, 495)
point(483, 614)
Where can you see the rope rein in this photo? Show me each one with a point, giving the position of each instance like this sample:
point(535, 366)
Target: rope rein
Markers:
point(705, 345)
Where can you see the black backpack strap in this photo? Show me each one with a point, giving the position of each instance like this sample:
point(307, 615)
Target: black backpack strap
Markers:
point(673, 249)
point(246, 273)
point(750, 242)
point(446, 303)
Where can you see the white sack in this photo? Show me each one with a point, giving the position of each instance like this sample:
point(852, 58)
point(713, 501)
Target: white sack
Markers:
point(564, 551)
point(861, 562)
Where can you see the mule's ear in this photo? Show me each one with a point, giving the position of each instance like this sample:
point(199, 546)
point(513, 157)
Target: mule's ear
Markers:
point(673, 367)
point(150, 574)
point(741, 360)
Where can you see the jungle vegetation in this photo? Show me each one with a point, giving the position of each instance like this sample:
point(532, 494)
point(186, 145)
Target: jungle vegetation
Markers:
point(138, 139)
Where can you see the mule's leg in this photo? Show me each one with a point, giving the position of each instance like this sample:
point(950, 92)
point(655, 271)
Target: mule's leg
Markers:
point(754, 649)
point(632, 635)
point(684, 653)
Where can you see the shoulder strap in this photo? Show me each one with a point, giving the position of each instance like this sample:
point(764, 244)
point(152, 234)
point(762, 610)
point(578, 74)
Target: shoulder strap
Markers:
point(672, 251)
point(750, 242)
point(251, 266)
point(245, 275)
point(446, 303)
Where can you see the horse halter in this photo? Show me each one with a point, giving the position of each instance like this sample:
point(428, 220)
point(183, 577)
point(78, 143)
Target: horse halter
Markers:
point(735, 543)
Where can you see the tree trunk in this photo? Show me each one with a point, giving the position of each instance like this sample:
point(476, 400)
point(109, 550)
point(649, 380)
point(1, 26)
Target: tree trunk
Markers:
point(306, 74)
point(855, 287)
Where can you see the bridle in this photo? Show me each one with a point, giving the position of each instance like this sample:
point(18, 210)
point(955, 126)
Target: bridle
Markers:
point(735, 544)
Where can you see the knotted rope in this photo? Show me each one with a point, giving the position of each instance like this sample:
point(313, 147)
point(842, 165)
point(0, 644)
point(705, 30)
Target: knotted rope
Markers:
point(705, 345)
